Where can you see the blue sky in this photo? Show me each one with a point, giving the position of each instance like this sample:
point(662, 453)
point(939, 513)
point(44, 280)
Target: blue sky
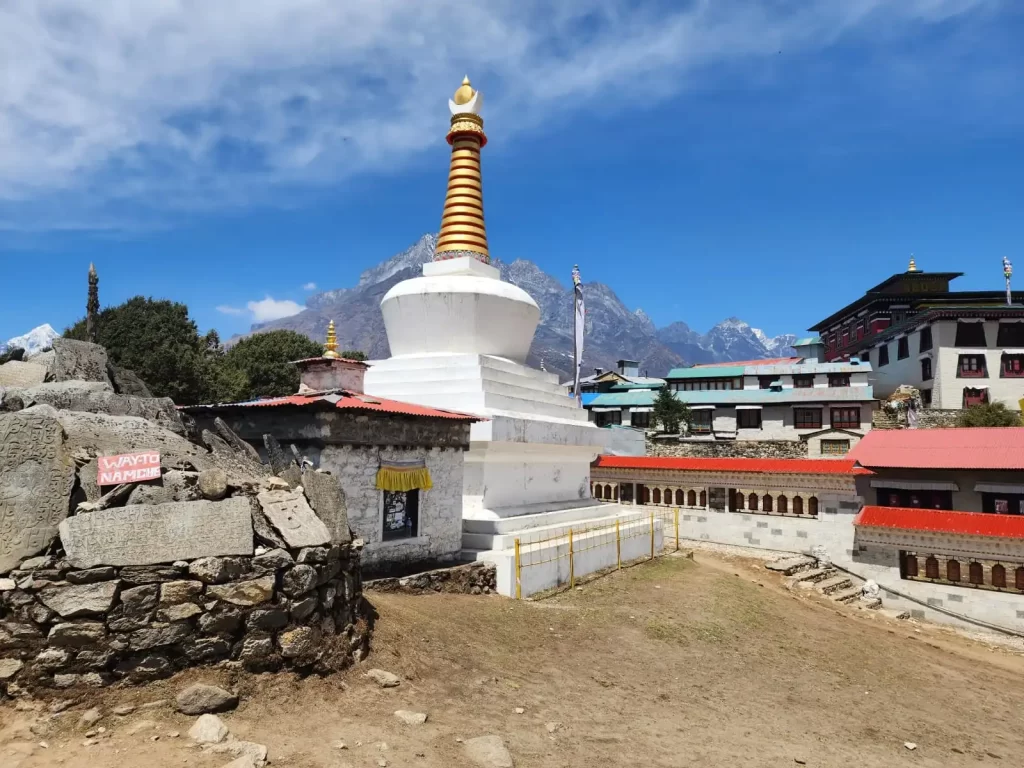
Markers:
point(769, 159)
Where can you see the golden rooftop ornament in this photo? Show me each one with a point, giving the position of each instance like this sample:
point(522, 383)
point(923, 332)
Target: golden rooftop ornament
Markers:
point(463, 232)
point(913, 265)
point(331, 347)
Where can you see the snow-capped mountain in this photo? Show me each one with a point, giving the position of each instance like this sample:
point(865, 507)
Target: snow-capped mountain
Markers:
point(32, 342)
point(613, 330)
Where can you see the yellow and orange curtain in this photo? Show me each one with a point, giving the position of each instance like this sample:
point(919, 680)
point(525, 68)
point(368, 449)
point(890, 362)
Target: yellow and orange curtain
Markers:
point(404, 476)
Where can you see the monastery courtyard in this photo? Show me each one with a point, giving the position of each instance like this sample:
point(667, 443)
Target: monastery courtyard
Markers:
point(675, 662)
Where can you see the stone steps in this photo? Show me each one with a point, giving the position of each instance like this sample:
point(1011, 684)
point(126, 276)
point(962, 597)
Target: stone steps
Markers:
point(814, 575)
point(790, 565)
point(835, 584)
point(847, 595)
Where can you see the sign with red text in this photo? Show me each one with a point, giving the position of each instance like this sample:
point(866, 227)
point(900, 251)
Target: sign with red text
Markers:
point(129, 468)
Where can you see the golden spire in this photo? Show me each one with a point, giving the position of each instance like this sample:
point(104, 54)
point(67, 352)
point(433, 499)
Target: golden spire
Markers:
point(331, 347)
point(913, 265)
point(463, 232)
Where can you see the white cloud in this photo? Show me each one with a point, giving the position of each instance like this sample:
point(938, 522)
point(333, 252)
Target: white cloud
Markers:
point(188, 104)
point(309, 287)
point(271, 309)
point(224, 309)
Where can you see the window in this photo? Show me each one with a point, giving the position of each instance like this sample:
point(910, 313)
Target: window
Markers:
point(748, 418)
point(606, 418)
point(640, 419)
point(974, 396)
point(860, 330)
point(700, 422)
point(765, 382)
point(972, 367)
point(737, 501)
point(902, 348)
point(835, 447)
point(803, 381)
point(598, 491)
point(807, 418)
point(926, 369)
point(899, 497)
point(926, 339)
point(970, 335)
point(846, 418)
point(401, 514)
point(883, 355)
point(926, 398)
point(1010, 335)
point(839, 379)
point(1012, 366)
point(846, 337)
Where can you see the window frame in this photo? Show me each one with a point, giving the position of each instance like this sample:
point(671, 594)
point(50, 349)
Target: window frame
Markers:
point(925, 333)
point(1003, 334)
point(643, 416)
point(842, 422)
point(697, 425)
point(814, 423)
point(1007, 373)
point(414, 497)
point(834, 442)
point(838, 380)
point(927, 374)
point(980, 372)
point(902, 348)
point(803, 381)
point(965, 330)
point(742, 412)
point(883, 355)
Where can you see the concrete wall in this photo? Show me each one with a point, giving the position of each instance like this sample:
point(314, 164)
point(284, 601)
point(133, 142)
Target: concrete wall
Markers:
point(966, 499)
point(440, 511)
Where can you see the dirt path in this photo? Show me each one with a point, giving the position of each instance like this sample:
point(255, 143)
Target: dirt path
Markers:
point(672, 663)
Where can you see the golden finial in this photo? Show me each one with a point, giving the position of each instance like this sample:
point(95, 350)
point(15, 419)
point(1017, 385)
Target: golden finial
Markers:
point(913, 265)
point(465, 92)
point(331, 347)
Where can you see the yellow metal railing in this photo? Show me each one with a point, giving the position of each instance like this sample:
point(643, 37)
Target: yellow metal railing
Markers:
point(572, 540)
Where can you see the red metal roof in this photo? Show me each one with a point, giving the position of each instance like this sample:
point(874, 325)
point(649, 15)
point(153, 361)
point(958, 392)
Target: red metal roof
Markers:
point(764, 466)
point(767, 361)
point(968, 448)
point(345, 400)
point(942, 521)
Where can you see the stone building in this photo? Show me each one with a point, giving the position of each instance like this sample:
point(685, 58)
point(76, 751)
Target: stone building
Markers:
point(400, 465)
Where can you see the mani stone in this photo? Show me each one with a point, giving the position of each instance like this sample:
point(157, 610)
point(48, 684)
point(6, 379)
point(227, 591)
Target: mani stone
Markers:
point(79, 361)
point(36, 477)
point(328, 501)
point(291, 516)
point(147, 534)
point(127, 382)
point(18, 374)
point(173, 485)
point(77, 600)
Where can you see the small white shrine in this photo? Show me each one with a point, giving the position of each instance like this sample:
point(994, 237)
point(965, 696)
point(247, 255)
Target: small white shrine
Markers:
point(459, 338)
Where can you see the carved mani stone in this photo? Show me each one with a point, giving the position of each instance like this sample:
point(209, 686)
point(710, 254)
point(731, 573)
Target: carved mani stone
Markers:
point(146, 534)
point(36, 476)
point(291, 516)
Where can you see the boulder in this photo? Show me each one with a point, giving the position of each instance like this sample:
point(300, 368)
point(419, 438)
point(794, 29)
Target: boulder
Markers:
point(9, 668)
point(73, 600)
point(411, 718)
point(327, 500)
point(488, 752)
point(173, 592)
point(173, 485)
point(19, 375)
point(299, 580)
point(242, 469)
point(158, 533)
point(213, 484)
point(128, 382)
point(98, 397)
point(293, 519)
point(157, 635)
point(199, 699)
point(91, 575)
point(36, 477)
point(384, 679)
point(217, 570)
point(79, 360)
point(76, 635)
point(301, 641)
point(244, 593)
point(208, 729)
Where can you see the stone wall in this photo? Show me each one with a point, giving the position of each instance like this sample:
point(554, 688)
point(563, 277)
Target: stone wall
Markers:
point(298, 608)
point(470, 579)
point(927, 418)
point(720, 449)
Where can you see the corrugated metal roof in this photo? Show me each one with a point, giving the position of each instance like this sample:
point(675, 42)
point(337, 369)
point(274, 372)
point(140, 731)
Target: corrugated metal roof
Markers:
point(707, 371)
point(969, 448)
point(764, 361)
point(638, 383)
point(764, 466)
point(586, 398)
point(344, 400)
point(728, 397)
point(807, 341)
point(942, 521)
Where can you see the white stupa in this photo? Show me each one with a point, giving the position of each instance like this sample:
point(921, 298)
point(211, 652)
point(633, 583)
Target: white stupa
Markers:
point(459, 338)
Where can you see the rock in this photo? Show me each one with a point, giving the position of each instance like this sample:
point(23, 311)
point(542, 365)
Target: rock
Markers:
point(6, 585)
point(65, 681)
point(520, 711)
point(301, 641)
point(91, 575)
point(384, 679)
point(36, 563)
point(173, 485)
point(79, 361)
point(308, 555)
point(256, 754)
point(222, 622)
point(77, 600)
point(303, 609)
point(9, 668)
point(411, 718)
point(244, 593)
point(327, 500)
point(299, 580)
point(74, 396)
point(236, 443)
point(157, 635)
point(161, 533)
point(245, 761)
point(18, 374)
point(36, 477)
point(117, 496)
point(279, 460)
point(142, 725)
point(127, 382)
point(552, 727)
point(275, 483)
point(200, 699)
point(173, 592)
point(213, 484)
point(217, 570)
point(870, 590)
point(79, 635)
point(910, 745)
point(149, 667)
point(268, 619)
point(154, 574)
point(271, 561)
point(122, 710)
point(179, 612)
point(97, 659)
point(89, 718)
point(488, 752)
point(51, 658)
point(208, 729)
point(61, 705)
point(292, 518)
point(205, 649)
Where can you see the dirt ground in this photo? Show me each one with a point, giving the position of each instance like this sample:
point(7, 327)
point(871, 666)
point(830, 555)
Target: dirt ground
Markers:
point(678, 662)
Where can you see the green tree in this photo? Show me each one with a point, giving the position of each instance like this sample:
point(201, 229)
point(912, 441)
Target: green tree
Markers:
point(989, 415)
point(353, 354)
point(670, 412)
point(159, 341)
point(260, 365)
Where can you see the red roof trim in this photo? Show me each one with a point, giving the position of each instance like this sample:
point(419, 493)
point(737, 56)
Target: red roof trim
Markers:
point(942, 521)
point(764, 466)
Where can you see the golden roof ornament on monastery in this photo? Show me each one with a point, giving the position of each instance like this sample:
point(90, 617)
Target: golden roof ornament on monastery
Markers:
point(465, 92)
point(331, 347)
point(913, 265)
